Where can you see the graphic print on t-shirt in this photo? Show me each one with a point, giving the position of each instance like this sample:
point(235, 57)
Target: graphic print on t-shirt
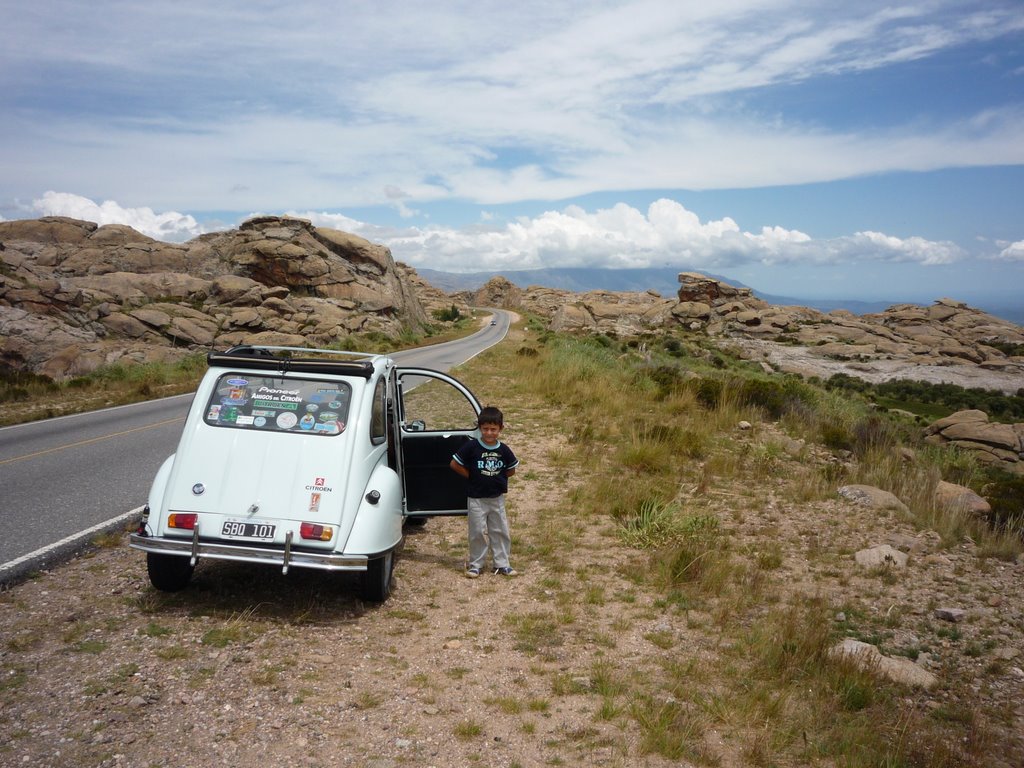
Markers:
point(490, 463)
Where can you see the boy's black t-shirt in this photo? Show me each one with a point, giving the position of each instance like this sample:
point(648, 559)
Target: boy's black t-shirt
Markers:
point(487, 465)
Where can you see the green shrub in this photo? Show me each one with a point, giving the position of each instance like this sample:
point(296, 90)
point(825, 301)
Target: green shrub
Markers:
point(644, 455)
point(654, 524)
point(1007, 348)
point(1005, 493)
point(773, 396)
point(20, 385)
point(667, 379)
point(673, 346)
point(873, 433)
point(709, 391)
point(449, 315)
point(933, 400)
point(696, 548)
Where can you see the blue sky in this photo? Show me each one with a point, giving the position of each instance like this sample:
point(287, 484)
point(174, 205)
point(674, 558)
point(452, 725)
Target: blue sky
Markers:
point(870, 150)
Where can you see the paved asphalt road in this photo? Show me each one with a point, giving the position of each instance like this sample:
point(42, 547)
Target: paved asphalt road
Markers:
point(74, 475)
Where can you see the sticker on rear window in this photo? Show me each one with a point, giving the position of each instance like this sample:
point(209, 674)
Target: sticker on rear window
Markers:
point(278, 404)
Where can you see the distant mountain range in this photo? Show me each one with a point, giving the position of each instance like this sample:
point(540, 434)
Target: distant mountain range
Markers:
point(664, 280)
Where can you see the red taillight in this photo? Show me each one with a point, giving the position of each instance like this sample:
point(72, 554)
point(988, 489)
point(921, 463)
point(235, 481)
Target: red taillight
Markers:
point(316, 532)
point(186, 520)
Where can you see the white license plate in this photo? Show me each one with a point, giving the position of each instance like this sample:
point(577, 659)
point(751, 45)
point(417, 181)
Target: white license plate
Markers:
point(239, 529)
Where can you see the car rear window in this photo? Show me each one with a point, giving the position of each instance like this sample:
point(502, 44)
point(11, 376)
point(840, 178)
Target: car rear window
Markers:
point(276, 404)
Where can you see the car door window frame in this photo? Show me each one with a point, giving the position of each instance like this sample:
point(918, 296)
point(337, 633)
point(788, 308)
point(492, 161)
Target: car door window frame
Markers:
point(430, 487)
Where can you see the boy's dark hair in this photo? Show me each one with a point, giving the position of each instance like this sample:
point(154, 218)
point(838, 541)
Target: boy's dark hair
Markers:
point(490, 415)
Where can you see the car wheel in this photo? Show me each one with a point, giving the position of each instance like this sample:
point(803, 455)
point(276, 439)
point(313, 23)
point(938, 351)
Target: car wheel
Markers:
point(168, 573)
point(416, 522)
point(377, 579)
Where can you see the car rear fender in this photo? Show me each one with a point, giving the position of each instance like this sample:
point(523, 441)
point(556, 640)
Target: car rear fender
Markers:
point(157, 491)
point(378, 522)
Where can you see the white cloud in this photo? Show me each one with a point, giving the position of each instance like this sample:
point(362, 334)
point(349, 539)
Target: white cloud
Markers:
point(911, 249)
point(1013, 252)
point(332, 221)
point(622, 236)
point(169, 226)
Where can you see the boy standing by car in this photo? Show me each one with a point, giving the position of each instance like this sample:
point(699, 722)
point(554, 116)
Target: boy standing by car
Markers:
point(488, 464)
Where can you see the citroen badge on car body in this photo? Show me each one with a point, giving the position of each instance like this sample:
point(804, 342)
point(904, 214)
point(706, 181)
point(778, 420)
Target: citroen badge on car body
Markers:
point(198, 489)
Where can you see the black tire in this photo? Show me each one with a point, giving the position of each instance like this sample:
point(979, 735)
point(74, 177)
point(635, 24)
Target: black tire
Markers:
point(168, 573)
point(416, 522)
point(377, 579)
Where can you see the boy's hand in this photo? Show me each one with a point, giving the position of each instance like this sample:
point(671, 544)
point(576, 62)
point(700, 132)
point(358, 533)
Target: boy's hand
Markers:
point(459, 469)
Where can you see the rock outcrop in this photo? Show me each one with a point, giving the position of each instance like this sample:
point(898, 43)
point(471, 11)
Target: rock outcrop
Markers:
point(946, 342)
point(998, 444)
point(497, 292)
point(74, 295)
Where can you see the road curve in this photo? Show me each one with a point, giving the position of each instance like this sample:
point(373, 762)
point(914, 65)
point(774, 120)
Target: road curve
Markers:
point(63, 480)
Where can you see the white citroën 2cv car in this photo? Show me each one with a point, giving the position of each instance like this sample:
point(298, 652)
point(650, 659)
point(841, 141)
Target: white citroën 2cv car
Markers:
point(303, 458)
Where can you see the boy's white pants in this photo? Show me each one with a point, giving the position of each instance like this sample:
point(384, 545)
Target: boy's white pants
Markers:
point(487, 522)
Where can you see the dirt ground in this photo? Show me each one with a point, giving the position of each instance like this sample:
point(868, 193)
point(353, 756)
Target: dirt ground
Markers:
point(251, 668)
point(248, 667)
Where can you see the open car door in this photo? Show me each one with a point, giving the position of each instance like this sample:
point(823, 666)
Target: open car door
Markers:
point(436, 414)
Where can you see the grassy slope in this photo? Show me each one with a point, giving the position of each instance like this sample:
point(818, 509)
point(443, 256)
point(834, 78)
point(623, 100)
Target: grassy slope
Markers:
point(656, 454)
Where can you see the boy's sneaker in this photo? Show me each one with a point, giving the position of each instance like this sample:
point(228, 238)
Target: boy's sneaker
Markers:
point(472, 573)
point(506, 571)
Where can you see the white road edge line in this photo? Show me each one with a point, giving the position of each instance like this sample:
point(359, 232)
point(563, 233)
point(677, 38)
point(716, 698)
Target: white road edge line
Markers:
point(43, 551)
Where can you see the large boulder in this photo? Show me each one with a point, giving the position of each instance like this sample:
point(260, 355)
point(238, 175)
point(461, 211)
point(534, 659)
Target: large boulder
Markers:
point(498, 292)
point(872, 497)
point(999, 444)
point(961, 500)
point(137, 289)
point(28, 341)
point(697, 287)
point(572, 317)
point(49, 229)
point(898, 669)
point(235, 290)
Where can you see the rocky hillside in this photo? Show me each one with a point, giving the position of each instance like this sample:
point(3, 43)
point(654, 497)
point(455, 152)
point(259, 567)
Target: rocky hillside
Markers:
point(946, 342)
point(74, 295)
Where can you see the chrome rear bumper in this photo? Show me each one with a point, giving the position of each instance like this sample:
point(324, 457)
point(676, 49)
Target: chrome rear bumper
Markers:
point(285, 558)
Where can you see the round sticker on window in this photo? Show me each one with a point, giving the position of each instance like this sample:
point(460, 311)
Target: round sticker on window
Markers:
point(286, 420)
